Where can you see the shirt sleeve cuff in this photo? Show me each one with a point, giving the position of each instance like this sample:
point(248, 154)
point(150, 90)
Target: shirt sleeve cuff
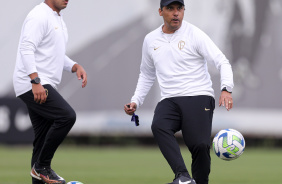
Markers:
point(68, 64)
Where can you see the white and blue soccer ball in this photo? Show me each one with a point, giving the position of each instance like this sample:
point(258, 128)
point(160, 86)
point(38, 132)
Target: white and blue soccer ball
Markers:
point(74, 182)
point(228, 144)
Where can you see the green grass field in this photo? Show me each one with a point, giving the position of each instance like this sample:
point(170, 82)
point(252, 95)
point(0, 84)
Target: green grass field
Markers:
point(138, 165)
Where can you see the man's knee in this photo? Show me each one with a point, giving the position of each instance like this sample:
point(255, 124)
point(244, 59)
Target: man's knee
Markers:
point(201, 148)
point(71, 116)
point(155, 127)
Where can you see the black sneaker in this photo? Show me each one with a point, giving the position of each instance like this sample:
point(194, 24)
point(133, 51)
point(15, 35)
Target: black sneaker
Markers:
point(181, 179)
point(47, 175)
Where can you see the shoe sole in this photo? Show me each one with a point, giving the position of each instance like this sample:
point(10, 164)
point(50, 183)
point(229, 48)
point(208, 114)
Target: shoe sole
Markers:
point(47, 181)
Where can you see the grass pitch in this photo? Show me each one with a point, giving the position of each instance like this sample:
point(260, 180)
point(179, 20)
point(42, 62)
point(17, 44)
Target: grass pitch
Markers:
point(138, 165)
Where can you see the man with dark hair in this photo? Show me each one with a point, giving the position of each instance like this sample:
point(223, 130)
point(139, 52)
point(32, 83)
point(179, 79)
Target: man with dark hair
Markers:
point(41, 59)
point(177, 54)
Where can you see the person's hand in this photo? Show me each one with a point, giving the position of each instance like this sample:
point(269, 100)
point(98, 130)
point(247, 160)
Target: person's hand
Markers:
point(130, 108)
point(226, 100)
point(39, 93)
point(80, 73)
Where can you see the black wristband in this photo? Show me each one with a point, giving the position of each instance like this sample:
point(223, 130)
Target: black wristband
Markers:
point(224, 89)
point(36, 80)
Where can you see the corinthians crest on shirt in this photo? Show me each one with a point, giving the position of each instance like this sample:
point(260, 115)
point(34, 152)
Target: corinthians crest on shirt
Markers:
point(181, 45)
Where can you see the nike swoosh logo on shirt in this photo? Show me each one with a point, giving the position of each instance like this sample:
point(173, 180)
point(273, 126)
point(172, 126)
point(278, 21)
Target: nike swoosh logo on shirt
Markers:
point(207, 109)
point(156, 48)
point(186, 182)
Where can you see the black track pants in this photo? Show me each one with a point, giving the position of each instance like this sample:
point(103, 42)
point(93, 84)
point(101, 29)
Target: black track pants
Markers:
point(51, 123)
point(193, 116)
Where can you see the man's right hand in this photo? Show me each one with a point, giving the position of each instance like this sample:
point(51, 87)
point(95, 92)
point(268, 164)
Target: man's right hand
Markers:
point(130, 108)
point(39, 93)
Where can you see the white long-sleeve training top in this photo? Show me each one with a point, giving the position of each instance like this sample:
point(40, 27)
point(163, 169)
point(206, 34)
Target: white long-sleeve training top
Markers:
point(179, 61)
point(41, 49)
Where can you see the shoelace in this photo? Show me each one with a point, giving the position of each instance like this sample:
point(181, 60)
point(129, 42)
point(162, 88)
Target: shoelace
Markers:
point(51, 172)
point(48, 170)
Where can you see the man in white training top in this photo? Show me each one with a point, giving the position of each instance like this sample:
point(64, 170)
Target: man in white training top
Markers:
point(177, 54)
point(41, 59)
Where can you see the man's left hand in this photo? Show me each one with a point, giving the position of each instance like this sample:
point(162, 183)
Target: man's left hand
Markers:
point(226, 100)
point(80, 73)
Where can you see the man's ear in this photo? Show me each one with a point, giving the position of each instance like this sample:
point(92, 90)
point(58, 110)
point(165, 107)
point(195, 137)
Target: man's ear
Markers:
point(160, 12)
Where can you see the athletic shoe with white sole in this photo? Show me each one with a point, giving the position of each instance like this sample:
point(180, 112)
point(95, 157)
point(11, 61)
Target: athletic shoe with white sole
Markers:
point(181, 179)
point(47, 175)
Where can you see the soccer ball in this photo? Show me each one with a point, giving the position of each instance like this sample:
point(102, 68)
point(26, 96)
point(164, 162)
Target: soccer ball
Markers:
point(228, 144)
point(74, 182)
